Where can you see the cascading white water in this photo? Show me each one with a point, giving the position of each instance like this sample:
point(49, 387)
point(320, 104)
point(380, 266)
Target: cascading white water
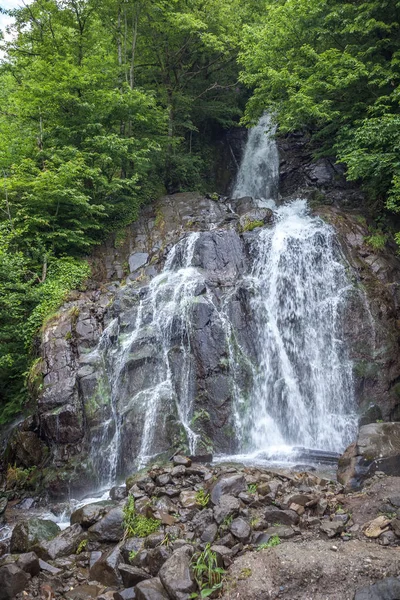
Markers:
point(303, 387)
point(162, 323)
point(259, 169)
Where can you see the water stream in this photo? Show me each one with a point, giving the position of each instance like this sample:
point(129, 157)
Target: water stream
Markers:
point(303, 393)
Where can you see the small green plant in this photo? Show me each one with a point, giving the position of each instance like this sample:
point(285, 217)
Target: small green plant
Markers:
point(250, 225)
point(377, 240)
point(273, 541)
point(202, 498)
point(132, 554)
point(227, 521)
point(252, 488)
point(137, 525)
point(82, 546)
point(245, 573)
point(207, 573)
point(254, 522)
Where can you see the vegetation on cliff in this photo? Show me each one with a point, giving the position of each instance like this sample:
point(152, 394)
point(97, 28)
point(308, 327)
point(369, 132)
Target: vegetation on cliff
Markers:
point(107, 104)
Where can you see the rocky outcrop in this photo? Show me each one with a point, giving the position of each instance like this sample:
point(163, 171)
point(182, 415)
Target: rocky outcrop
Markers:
point(377, 448)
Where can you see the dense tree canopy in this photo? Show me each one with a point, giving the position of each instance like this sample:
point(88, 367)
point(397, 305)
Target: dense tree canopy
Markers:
point(333, 67)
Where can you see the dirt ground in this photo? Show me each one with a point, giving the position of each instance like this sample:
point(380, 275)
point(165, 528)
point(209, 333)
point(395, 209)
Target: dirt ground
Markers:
point(313, 567)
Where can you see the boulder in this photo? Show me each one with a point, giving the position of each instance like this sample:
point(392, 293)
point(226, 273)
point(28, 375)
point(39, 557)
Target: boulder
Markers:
point(284, 517)
point(84, 592)
point(29, 563)
point(131, 575)
point(29, 533)
point(386, 589)
point(105, 570)
point(110, 528)
point(231, 486)
point(240, 529)
point(91, 513)
point(176, 575)
point(151, 589)
point(13, 580)
point(64, 544)
point(377, 448)
point(228, 506)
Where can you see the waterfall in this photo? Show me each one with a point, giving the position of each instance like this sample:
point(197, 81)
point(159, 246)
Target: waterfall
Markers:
point(259, 169)
point(161, 325)
point(182, 338)
point(303, 386)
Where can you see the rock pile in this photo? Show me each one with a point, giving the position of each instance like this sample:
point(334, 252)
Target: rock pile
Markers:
point(172, 523)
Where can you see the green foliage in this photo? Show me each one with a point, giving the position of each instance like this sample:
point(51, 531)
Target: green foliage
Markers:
point(82, 546)
point(207, 573)
point(252, 488)
point(274, 541)
point(202, 498)
point(137, 525)
point(17, 477)
point(331, 69)
point(250, 225)
point(377, 240)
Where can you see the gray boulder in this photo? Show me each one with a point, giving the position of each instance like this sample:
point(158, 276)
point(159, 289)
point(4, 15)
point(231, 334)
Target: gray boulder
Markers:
point(386, 589)
point(176, 575)
point(240, 529)
point(91, 513)
point(228, 486)
point(29, 563)
point(377, 448)
point(152, 589)
point(12, 581)
point(131, 575)
point(284, 517)
point(29, 533)
point(110, 528)
point(62, 545)
point(228, 506)
point(105, 570)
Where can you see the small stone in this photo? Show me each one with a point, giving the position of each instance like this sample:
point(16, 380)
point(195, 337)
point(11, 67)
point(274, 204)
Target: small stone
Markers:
point(334, 548)
point(151, 589)
point(179, 459)
point(374, 528)
point(188, 499)
point(240, 529)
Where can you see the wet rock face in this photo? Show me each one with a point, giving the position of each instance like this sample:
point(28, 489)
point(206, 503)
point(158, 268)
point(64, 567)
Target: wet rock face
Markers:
point(371, 317)
point(377, 448)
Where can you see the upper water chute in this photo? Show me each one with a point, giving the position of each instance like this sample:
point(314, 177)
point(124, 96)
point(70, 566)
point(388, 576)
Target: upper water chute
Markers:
point(259, 169)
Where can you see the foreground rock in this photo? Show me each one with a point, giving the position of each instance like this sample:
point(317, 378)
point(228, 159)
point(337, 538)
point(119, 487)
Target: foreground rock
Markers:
point(377, 448)
point(29, 534)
